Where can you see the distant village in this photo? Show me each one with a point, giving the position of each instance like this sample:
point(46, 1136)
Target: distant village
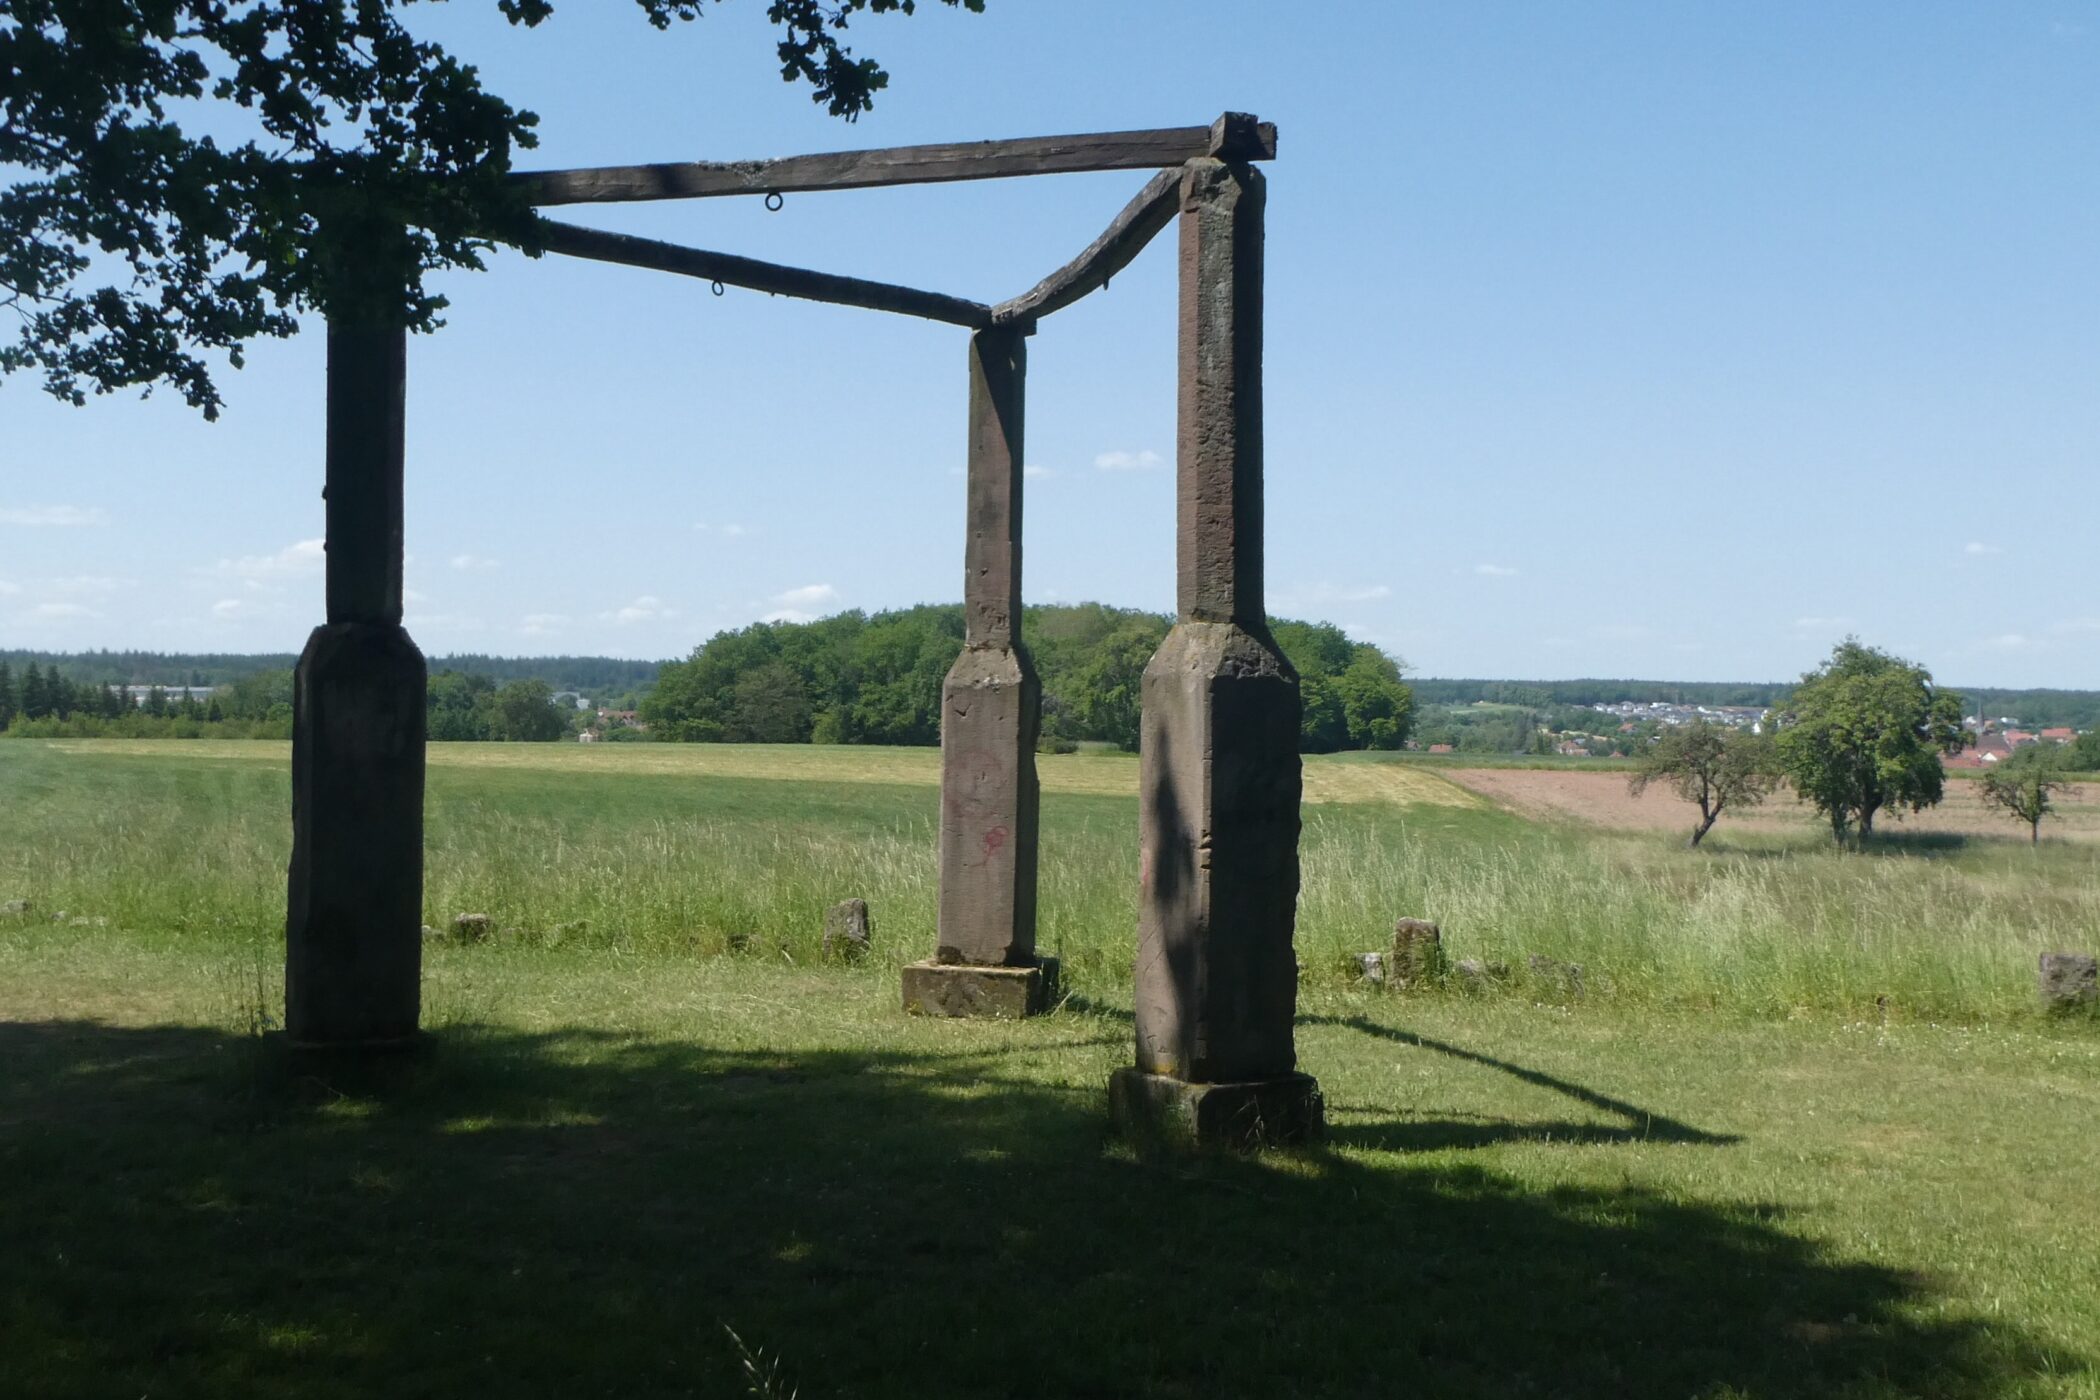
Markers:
point(1624, 727)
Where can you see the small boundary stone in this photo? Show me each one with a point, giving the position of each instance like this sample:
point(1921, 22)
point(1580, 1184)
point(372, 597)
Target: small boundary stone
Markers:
point(1417, 959)
point(849, 930)
point(1153, 1109)
point(2070, 982)
point(933, 988)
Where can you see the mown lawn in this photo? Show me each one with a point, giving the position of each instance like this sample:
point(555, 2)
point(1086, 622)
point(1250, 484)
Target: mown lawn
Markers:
point(621, 1139)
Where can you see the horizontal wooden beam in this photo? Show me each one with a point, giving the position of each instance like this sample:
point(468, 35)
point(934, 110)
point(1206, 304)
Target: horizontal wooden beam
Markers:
point(1152, 210)
point(1234, 136)
point(731, 270)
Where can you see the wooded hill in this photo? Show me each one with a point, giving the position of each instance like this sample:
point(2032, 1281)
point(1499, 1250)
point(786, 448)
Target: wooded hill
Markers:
point(876, 679)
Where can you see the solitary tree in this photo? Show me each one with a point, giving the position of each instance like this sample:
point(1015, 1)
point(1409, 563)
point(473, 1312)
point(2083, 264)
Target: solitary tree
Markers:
point(360, 158)
point(1711, 766)
point(1863, 732)
point(525, 713)
point(2023, 784)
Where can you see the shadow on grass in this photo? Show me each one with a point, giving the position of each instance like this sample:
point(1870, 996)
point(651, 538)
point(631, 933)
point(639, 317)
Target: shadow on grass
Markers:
point(191, 1213)
point(1640, 1125)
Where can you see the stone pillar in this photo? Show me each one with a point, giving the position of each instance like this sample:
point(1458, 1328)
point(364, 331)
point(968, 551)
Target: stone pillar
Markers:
point(353, 940)
point(991, 707)
point(1218, 772)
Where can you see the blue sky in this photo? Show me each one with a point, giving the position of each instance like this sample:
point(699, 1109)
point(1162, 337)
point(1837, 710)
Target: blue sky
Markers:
point(1613, 339)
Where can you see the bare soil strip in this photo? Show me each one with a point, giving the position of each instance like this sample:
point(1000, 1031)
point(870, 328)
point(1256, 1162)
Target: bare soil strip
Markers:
point(1601, 799)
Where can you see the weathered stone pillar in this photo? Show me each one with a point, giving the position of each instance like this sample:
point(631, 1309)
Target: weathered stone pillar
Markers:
point(353, 941)
point(991, 707)
point(1218, 773)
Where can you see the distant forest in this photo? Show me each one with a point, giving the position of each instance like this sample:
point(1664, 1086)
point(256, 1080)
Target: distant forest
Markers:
point(1054, 634)
point(602, 678)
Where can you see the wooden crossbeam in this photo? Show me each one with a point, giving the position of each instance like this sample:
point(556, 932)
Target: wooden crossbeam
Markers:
point(1152, 210)
point(1233, 136)
point(751, 273)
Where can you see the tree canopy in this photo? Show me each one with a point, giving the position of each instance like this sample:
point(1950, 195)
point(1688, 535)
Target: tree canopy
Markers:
point(1714, 768)
point(2025, 784)
point(137, 242)
point(856, 678)
point(1864, 732)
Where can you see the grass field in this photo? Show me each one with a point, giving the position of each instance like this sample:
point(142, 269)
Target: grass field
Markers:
point(1725, 1171)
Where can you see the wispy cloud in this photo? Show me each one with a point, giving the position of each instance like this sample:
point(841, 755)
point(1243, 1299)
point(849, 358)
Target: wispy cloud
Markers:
point(2013, 641)
point(727, 532)
point(810, 595)
point(1979, 547)
point(83, 585)
point(53, 515)
point(293, 561)
point(540, 624)
point(60, 612)
point(2069, 624)
point(9, 589)
point(1318, 594)
point(474, 563)
point(1494, 571)
point(1032, 470)
point(228, 608)
point(1142, 461)
point(647, 608)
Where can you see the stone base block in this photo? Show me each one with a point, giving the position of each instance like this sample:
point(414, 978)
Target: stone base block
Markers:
point(1274, 1112)
point(964, 989)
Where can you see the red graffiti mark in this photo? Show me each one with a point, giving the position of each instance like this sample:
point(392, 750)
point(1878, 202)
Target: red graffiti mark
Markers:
point(994, 839)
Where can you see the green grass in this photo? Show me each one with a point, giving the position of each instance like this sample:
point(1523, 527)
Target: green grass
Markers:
point(622, 1140)
point(664, 850)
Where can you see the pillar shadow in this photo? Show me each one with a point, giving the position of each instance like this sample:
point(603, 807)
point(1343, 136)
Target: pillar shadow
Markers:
point(515, 1214)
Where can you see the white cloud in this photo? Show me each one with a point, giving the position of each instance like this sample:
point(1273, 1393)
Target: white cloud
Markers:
point(1031, 470)
point(1978, 547)
point(59, 612)
point(79, 584)
point(1144, 461)
point(540, 624)
point(228, 608)
point(441, 622)
point(53, 515)
point(728, 532)
point(810, 595)
point(2011, 641)
point(1494, 571)
point(293, 561)
point(647, 608)
point(7, 589)
point(474, 563)
point(412, 596)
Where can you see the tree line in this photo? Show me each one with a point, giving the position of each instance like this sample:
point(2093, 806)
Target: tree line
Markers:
point(44, 704)
point(861, 678)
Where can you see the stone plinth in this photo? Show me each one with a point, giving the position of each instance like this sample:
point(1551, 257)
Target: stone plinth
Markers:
point(990, 707)
point(960, 989)
point(353, 931)
point(1217, 979)
point(1277, 1112)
